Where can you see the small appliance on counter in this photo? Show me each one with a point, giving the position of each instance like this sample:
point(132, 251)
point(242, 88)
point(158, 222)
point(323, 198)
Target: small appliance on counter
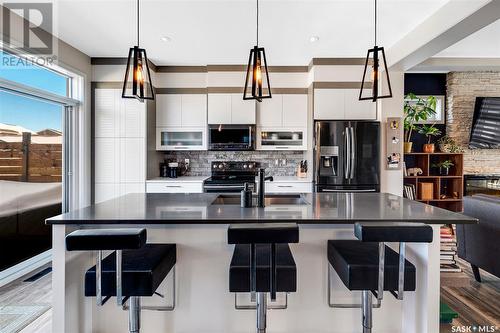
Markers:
point(170, 169)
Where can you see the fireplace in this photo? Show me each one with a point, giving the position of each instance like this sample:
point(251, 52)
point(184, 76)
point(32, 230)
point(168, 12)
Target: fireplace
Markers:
point(486, 184)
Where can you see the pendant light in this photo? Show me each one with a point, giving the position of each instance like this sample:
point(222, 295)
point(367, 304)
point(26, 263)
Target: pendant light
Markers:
point(137, 83)
point(373, 58)
point(257, 75)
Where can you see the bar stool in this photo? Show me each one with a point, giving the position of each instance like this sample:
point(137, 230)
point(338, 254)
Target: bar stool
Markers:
point(369, 265)
point(134, 269)
point(262, 263)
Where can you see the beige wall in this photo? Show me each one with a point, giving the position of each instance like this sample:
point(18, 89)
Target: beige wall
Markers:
point(462, 90)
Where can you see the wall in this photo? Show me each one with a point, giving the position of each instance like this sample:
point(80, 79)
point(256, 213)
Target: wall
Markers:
point(462, 89)
point(272, 160)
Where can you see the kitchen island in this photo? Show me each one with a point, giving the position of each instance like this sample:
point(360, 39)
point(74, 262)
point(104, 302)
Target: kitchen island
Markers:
point(198, 223)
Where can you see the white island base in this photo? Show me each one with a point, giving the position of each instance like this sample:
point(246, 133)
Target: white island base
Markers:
point(205, 305)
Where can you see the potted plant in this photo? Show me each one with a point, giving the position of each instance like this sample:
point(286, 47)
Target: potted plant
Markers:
point(416, 109)
point(429, 131)
point(447, 145)
point(444, 167)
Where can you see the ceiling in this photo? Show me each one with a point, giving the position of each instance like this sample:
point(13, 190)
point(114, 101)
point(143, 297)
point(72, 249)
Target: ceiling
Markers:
point(222, 32)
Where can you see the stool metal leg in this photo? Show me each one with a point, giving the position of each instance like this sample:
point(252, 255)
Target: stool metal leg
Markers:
point(134, 314)
point(367, 311)
point(261, 312)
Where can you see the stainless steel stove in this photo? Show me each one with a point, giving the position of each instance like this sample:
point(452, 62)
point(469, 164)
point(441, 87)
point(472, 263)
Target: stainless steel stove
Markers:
point(231, 176)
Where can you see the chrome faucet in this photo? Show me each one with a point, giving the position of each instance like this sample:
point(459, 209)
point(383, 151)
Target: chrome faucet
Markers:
point(261, 188)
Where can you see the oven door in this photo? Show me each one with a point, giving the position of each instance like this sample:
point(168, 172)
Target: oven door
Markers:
point(226, 188)
point(231, 137)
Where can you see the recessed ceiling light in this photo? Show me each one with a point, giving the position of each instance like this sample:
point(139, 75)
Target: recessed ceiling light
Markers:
point(166, 39)
point(314, 39)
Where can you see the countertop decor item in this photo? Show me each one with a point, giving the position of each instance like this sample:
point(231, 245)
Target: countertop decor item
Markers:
point(137, 83)
point(257, 75)
point(416, 109)
point(373, 58)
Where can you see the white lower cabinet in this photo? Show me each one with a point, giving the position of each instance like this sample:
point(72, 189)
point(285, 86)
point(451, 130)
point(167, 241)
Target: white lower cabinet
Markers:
point(174, 187)
point(288, 187)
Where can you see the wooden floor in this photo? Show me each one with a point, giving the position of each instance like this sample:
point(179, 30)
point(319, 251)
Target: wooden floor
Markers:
point(476, 303)
point(36, 293)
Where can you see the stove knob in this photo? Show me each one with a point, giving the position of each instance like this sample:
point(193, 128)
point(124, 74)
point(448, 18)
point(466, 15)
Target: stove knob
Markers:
point(215, 166)
point(244, 166)
point(250, 166)
point(221, 166)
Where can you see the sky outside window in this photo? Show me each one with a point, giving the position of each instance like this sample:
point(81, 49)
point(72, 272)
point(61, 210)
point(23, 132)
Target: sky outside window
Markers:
point(30, 113)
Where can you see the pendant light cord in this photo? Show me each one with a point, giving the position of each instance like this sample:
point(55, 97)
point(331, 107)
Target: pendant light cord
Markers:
point(137, 22)
point(257, 23)
point(375, 22)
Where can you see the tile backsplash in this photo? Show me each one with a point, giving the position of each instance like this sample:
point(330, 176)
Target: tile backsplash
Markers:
point(278, 163)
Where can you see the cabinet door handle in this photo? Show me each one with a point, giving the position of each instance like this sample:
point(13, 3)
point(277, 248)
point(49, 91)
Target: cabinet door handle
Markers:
point(175, 186)
point(181, 147)
point(285, 185)
point(282, 147)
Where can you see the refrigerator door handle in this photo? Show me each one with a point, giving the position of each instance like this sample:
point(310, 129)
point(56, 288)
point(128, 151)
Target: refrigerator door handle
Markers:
point(347, 157)
point(353, 153)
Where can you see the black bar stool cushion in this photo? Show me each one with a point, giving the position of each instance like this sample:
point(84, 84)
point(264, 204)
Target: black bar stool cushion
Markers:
point(356, 264)
point(263, 233)
point(143, 271)
point(106, 239)
point(393, 232)
point(239, 270)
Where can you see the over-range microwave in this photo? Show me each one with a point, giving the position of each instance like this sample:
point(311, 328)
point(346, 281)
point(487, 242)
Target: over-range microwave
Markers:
point(231, 137)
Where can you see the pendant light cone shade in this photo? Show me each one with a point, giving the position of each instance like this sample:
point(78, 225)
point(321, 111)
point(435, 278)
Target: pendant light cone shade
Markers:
point(137, 83)
point(257, 78)
point(375, 74)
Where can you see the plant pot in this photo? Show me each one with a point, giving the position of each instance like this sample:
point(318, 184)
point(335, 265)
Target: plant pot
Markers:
point(445, 148)
point(444, 171)
point(429, 148)
point(407, 146)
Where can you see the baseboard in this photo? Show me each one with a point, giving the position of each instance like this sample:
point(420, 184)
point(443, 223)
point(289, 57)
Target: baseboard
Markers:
point(25, 267)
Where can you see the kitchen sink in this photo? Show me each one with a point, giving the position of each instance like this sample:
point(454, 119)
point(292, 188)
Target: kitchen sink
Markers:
point(270, 200)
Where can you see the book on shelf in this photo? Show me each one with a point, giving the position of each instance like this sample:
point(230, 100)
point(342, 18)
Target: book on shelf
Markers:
point(447, 262)
point(450, 268)
point(447, 257)
point(448, 240)
point(446, 247)
point(409, 191)
point(450, 253)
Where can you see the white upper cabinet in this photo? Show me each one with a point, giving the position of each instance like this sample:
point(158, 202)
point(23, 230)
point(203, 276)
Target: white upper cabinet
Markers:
point(176, 110)
point(230, 109)
point(329, 104)
point(283, 111)
point(356, 109)
point(340, 104)
point(294, 110)
point(219, 109)
point(168, 110)
point(270, 112)
point(194, 110)
point(242, 111)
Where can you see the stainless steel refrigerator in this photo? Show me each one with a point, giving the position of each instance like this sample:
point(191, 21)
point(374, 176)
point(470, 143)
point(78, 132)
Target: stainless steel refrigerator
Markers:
point(347, 156)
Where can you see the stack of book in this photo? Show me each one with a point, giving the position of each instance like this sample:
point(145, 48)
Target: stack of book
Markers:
point(448, 250)
point(409, 191)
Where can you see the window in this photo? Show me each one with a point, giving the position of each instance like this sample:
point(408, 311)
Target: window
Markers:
point(440, 116)
point(20, 71)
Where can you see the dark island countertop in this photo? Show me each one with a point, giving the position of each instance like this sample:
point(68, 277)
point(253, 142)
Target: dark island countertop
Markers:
point(315, 208)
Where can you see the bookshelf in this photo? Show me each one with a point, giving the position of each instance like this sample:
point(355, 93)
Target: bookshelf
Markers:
point(447, 193)
point(447, 189)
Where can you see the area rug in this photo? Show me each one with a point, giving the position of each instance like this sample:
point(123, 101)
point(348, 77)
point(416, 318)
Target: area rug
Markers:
point(13, 318)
